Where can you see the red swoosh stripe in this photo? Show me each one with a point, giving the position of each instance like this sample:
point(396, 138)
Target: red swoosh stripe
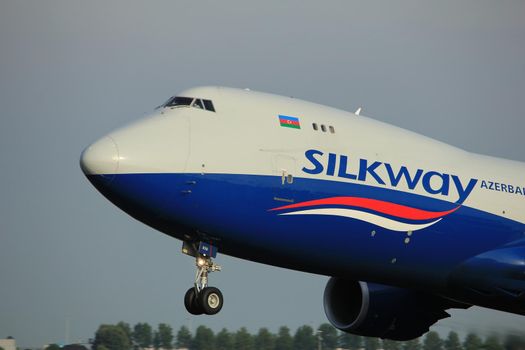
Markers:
point(388, 208)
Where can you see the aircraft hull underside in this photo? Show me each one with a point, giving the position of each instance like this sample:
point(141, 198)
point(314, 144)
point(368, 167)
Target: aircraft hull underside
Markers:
point(237, 213)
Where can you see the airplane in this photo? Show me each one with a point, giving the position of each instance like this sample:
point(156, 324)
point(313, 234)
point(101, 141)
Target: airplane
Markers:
point(405, 226)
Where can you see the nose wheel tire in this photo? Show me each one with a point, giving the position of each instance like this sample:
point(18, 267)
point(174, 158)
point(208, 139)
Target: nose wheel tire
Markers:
point(202, 299)
point(210, 300)
point(191, 303)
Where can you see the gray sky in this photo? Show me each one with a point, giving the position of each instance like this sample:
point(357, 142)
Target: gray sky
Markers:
point(71, 71)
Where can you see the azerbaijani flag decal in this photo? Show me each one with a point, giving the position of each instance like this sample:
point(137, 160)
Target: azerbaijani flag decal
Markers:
point(289, 122)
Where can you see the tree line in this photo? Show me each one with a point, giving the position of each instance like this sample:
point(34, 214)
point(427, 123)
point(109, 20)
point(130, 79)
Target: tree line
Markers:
point(142, 336)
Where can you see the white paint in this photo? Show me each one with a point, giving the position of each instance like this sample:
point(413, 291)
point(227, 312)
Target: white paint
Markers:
point(367, 217)
point(244, 137)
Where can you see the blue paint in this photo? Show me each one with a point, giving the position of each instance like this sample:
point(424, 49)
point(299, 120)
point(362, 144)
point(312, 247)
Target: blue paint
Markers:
point(318, 167)
point(444, 183)
point(226, 207)
point(432, 182)
point(343, 168)
point(365, 169)
point(330, 171)
point(403, 173)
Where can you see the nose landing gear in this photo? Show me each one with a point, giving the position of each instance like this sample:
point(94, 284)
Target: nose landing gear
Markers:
point(202, 299)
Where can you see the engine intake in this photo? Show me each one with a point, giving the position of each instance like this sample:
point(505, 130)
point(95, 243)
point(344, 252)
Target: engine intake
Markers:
point(375, 310)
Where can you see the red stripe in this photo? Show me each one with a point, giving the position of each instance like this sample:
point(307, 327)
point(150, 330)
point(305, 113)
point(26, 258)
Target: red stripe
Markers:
point(398, 210)
point(286, 121)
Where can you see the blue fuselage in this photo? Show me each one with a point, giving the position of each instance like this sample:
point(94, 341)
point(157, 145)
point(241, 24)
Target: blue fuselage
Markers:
point(234, 213)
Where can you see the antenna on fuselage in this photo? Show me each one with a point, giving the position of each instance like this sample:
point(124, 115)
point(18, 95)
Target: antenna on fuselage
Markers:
point(358, 111)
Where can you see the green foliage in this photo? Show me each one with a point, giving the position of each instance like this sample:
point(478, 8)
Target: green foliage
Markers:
point(264, 340)
point(304, 339)
point(142, 335)
point(329, 336)
point(224, 340)
point(204, 339)
point(112, 337)
point(243, 340)
point(515, 342)
point(126, 328)
point(452, 342)
point(1, 348)
point(493, 343)
point(413, 344)
point(156, 340)
point(284, 340)
point(165, 333)
point(184, 338)
point(50, 347)
point(392, 344)
point(350, 341)
point(371, 343)
point(472, 342)
point(432, 341)
point(120, 337)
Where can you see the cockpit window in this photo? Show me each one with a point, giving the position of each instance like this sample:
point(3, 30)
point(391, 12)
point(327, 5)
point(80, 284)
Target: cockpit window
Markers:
point(179, 101)
point(209, 105)
point(164, 104)
point(198, 104)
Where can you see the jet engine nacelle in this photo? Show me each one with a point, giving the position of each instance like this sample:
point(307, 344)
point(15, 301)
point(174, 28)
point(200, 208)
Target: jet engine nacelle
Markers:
point(375, 310)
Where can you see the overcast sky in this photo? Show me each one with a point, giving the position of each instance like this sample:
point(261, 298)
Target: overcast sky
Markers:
point(72, 71)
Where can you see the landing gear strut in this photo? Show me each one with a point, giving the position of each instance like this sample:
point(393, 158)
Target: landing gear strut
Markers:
point(202, 299)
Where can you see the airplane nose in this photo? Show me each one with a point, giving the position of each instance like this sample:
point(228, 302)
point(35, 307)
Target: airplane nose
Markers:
point(100, 158)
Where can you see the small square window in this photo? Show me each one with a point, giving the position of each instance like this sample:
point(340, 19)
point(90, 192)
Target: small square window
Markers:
point(323, 127)
point(332, 130)
point(314, 125)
